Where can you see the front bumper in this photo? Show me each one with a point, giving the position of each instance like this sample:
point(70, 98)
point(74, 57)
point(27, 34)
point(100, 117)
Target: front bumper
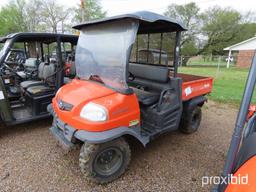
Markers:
point(61, 131)
point(68, 135)
point(66, 144)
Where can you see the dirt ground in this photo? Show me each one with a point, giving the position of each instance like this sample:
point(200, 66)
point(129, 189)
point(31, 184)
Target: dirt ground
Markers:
point(31, 160)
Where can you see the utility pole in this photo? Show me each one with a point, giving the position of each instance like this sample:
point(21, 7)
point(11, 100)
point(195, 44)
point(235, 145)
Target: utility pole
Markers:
point(229, 58)
point(82, 9)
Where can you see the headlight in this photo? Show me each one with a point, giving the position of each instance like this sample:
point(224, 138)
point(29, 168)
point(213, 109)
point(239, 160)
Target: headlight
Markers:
point(94, 112)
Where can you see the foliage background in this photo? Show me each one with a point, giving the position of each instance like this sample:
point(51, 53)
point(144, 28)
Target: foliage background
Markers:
point(209, 31)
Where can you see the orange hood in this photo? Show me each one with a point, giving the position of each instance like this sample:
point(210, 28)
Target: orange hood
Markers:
point(82, 91)
point(122, 109)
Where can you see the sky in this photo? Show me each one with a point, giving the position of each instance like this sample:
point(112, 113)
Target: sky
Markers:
point(114, 7)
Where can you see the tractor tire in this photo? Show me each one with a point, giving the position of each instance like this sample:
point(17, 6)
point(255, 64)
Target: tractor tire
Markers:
point(103, 163)
point(191, 120)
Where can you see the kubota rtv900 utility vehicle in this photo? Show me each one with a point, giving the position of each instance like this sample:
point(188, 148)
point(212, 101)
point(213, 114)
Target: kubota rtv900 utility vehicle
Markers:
point(125, 87)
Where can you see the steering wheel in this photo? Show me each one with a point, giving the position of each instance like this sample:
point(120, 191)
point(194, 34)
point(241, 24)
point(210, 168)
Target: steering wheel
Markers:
point(131, 77)
point(11, 69)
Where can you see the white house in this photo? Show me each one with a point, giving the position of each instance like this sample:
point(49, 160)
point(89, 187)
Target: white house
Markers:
point(246, 52)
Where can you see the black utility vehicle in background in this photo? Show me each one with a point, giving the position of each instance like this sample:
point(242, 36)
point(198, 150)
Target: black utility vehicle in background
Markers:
point(32, 68)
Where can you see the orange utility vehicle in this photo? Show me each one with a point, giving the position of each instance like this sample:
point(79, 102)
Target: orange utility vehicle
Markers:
point(122, 92)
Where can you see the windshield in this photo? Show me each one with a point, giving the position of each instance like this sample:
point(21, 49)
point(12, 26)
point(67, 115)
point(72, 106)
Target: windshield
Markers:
point(103, 51)
point(3, 48)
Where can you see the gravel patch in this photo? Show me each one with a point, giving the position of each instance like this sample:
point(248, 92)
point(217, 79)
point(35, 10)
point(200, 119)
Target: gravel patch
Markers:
point(31, 160)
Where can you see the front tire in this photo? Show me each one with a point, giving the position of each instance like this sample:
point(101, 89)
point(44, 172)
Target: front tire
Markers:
point(191, 120)
point(103, 163)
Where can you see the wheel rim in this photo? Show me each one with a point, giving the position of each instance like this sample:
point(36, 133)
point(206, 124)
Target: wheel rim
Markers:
point(108, 161)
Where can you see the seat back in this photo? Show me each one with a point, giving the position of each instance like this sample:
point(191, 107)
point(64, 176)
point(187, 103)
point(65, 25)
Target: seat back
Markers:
point(153, 73)
point(46, 70)
point(49, 73)
point(31, 64)
point(41, 70)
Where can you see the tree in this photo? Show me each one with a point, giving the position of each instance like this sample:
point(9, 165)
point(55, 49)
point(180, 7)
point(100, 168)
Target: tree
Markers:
point(189, 49)
point(189, 15)
point(221, 26)
point(44, 16)
point(32, 15)
point(246, 31)
point(12, 18)
point(89, 10)
point(53, 15)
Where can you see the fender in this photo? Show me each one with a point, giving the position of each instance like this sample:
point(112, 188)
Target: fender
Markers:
point(247, 151)
point(245, 165)
point(102, 137)
point(197, 101)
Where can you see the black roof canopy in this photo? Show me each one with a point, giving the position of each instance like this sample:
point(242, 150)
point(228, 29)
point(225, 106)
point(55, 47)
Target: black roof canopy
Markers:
point(46, 38)
point(149, 22)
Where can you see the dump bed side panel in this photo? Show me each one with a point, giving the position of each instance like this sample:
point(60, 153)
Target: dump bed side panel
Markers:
point(196, 86)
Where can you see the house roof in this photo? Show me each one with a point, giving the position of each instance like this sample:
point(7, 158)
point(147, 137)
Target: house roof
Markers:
point(149, 22)
point(249, 44)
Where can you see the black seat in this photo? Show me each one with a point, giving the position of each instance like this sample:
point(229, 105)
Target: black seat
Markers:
point(145, 97)
point(146, 76)
point(39, 90)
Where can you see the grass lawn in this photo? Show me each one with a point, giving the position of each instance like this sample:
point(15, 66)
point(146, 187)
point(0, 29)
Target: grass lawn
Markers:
point(228, 83)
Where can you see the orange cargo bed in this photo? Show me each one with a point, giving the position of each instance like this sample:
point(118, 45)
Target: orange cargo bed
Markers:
point(193, 86)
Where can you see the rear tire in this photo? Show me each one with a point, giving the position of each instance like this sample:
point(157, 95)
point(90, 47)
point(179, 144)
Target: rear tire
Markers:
point(191, 120)
point(103, 163)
